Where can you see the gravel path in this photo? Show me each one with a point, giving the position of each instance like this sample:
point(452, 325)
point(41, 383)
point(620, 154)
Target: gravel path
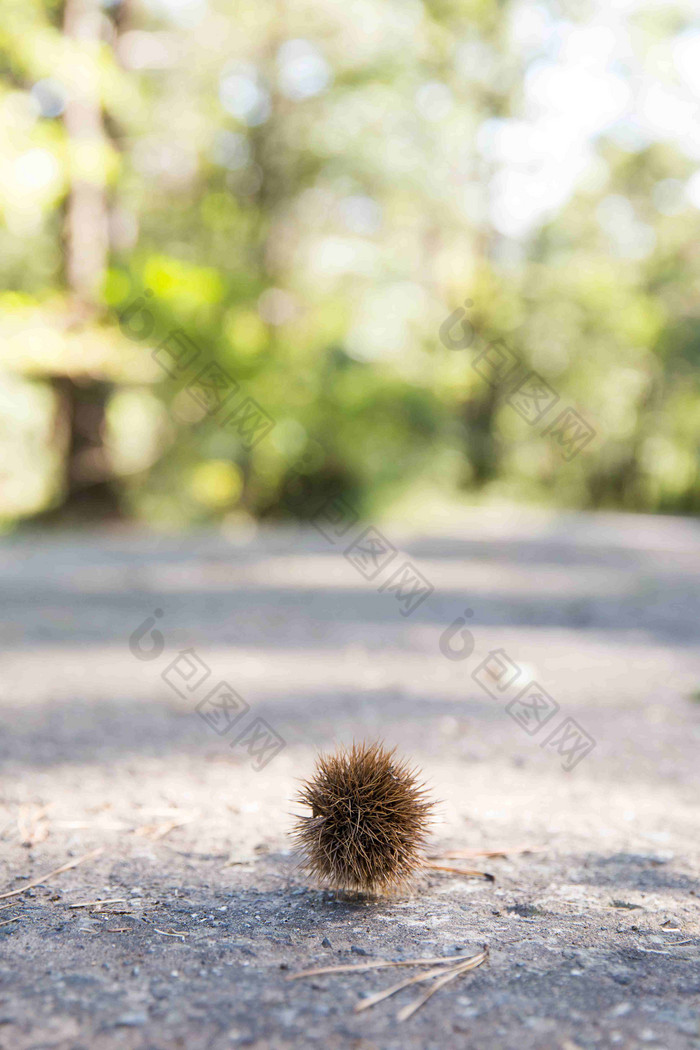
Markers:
point(594, 936)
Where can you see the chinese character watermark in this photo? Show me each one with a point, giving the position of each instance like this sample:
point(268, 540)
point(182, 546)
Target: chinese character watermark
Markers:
point(212, 389)
point(370, 553)
point(221, 708)
point(531, 396)
point(529, 705)
point(532, 708)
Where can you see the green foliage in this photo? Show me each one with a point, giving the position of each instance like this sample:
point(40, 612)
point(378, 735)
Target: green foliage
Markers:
point(304, 192)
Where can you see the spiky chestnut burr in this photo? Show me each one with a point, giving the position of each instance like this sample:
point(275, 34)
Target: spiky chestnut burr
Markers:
point(368, 822)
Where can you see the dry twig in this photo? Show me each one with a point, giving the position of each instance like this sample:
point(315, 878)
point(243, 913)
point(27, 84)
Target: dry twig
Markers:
point(378, 965)
point(457, 971)
point(159, 831)
point(379, 997)
point(92, 904)
point(441, 973)
point(50, 874)
point(469, 872)
point(32, 823)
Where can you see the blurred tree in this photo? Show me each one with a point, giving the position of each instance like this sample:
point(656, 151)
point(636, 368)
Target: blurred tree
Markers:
point(306, 192)
point(81, 407)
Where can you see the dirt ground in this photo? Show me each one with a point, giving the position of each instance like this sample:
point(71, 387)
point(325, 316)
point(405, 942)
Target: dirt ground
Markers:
point(594, 936)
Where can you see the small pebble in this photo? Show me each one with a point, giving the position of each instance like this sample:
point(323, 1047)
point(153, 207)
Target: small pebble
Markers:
point(131, 1021)
point(325, 943)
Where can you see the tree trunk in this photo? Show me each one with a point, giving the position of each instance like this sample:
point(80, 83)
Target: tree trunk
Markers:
point(81, 405)
point(87, 239)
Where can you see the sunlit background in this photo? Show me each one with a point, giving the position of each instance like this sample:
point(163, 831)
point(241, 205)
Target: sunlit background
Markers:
point(303, 193)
